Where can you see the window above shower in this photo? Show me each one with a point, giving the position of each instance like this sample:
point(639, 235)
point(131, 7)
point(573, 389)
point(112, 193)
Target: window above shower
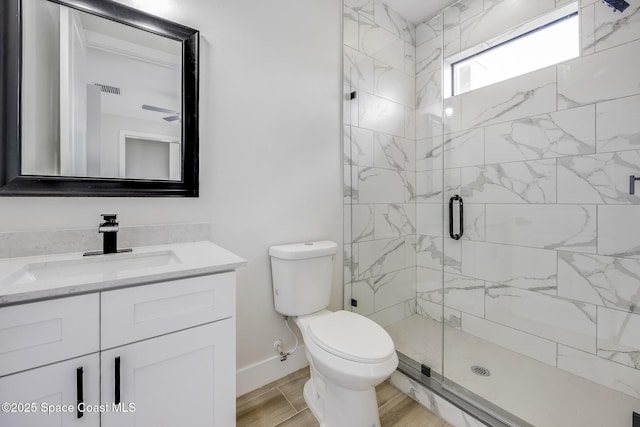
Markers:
point(547, 40)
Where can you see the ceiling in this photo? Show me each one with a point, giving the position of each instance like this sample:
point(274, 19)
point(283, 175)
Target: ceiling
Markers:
point(418, 11)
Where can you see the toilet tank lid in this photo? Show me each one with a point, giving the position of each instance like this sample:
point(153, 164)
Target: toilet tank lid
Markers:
point(304, 250)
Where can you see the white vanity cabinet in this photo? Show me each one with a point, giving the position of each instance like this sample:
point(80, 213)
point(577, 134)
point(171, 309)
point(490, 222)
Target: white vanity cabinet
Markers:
point(158, 354)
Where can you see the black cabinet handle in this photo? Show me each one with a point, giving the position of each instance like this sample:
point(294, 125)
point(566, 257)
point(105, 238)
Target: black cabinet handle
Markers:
point(453, 235)
point(117, 396)
point(79, 391)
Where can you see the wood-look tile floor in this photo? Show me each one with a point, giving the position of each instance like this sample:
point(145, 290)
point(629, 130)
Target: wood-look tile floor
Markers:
point(281, 404)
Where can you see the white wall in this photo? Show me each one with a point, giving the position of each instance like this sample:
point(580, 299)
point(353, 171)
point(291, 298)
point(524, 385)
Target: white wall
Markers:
point(270, 148)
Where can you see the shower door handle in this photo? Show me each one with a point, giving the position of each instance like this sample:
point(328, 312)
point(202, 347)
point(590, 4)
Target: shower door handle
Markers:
point(453, 235)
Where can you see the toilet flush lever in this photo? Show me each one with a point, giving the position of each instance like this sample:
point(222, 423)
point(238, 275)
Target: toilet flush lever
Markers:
point(632, 184)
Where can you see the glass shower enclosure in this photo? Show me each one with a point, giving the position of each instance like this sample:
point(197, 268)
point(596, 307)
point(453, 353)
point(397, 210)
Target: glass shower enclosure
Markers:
point(490, 229)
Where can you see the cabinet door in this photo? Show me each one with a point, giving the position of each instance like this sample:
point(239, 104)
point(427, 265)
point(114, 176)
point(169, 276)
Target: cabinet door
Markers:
point(186, 378)
point(56, 385)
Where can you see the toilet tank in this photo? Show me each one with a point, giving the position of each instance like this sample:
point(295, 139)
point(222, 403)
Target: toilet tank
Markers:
point(301, 275)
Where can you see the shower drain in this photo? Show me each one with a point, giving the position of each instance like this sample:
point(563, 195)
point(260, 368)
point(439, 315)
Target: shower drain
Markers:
point(480, 370)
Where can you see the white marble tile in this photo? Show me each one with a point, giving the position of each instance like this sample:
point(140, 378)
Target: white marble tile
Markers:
point(393, 314)
point(426, 31)
point(391, 20)
point(524, 96)
point(393, 152)
point(429, 252)
point(619, 337)
point(464, 294)
point(564, 321)
point(428, 105)
point(563, 133)
point(602, 76)
point(561, 227)
point(587, 30)
point(346, 224)
point(379, 257)
point(381, 115)
point(464, 148)
point(347, 185)
point(429, 285)
point(601, 280)
point(410, 253)
point(429, 56)
point(512, 339)
point(500, 17)
point(430, 185)
point(429, 309)
point(363, 292)
point(618, 233)
point(393, 84)
point(452, 118)
point(452, 256)
point(350, 28)
point(346, 145)
point(527, 268)
point(451, 42)
point(409, 59)
point(394, 288)
point(520, 182)
point(358, 70)
point(617, 125)
point(429, 154)
point(361, 149)
point(615, 28)
point(363, 7)
point(429, 219)
point(362, 223)
point(601, 371)
point(474, 222)
point(461, 11)
point(346, 264)
point(598, 178)
point(394, 220)
point(376, 185)
point(381, 44)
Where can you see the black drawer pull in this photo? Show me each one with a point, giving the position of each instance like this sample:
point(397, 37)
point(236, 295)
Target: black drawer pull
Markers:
point(117, 380)
point(79, 391)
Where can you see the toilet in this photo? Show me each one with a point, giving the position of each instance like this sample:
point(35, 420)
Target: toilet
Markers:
point(349, 354)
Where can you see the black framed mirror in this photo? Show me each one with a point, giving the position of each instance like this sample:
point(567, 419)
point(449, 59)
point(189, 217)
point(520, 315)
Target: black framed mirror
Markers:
point(96, 99)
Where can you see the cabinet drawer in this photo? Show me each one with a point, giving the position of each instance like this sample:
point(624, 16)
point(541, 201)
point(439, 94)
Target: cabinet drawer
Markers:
point(39, 333)
point(141, 312)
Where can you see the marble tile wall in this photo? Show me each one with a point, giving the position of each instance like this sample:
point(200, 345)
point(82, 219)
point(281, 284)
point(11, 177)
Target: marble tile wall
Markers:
point(549, 265)
point(380, 161)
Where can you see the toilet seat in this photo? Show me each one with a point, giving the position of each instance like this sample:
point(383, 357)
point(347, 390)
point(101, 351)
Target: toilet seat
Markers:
point(352, 337)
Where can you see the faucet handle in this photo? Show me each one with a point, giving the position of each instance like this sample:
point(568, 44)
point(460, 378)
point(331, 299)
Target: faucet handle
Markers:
point(109, 217)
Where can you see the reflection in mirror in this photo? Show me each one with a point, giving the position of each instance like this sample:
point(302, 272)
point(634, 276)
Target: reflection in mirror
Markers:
point(99, 98)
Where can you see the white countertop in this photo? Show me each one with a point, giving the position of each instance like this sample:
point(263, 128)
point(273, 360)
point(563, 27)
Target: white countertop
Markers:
point(175, 261)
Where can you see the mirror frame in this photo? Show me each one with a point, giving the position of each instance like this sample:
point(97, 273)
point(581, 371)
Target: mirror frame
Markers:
point(13, 183)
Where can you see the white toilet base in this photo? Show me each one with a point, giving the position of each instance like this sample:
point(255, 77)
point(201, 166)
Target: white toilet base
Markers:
point(340, 407)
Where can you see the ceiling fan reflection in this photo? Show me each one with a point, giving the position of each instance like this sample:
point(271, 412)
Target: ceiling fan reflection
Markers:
point(175, 115)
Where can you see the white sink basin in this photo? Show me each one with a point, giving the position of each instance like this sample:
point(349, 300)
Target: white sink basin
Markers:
point(105, 266)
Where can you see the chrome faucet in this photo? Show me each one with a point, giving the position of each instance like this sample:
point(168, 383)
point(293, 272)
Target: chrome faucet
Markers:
point(109, 228)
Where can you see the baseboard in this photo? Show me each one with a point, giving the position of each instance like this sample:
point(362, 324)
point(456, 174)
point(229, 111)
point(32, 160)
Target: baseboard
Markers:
point(262, 373)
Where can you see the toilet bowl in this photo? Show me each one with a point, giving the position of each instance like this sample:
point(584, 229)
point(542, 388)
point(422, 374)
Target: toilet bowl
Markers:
point(349, 354)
